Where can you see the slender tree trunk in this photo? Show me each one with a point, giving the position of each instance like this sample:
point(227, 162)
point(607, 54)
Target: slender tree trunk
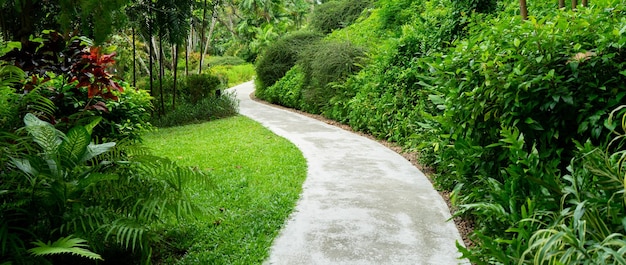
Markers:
point(523, 9)
point(143, 65)
point(561, 3)
point(187, 59)
point(156, 54)
point(574, 4)
point(207, 43)
point(585, 3)
point(202, 38)
point(161, 71)
point(134, 60)
point(151, 52)
point(175, 66)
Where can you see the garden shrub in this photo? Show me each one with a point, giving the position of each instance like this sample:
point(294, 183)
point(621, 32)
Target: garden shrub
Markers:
point(516, 96)
point(337, 14)
point(325, 66)
point(279, 57)
point(206, 109)
point(392, 92)
point(202, 86)
point(288, 90)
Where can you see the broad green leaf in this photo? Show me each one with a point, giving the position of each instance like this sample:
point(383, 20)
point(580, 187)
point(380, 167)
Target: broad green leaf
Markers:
point(94, 150)
point(44, 134)
point(74, 146)
point(25, 166)
point(93, 124)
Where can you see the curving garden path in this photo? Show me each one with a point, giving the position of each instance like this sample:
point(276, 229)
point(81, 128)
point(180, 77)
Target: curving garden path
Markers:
point(361, 202)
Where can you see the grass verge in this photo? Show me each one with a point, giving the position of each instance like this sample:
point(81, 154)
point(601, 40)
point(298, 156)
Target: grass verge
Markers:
point(256, 178)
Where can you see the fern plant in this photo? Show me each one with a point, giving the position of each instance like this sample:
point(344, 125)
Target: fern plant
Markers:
point(74, 194)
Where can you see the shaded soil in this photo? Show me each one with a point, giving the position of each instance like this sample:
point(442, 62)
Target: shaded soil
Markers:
point(465, 226)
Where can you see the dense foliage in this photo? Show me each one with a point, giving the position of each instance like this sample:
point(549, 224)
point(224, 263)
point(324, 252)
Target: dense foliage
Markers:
point(336, 14)
point(277, 59)
point(68, 191)
point(74, 78)
point(514, 116)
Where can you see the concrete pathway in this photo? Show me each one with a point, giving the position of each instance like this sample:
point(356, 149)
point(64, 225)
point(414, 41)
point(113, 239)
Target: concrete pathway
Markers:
point(361, 202)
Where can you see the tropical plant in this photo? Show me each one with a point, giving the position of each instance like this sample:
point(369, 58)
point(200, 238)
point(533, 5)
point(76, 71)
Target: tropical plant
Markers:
point(66, 191)
point(76, 80)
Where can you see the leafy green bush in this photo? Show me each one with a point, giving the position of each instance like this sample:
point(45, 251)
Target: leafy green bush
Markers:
point(209, 108)
point(325, 65)
point(202, 86)
point(516, 96)
point(278, 58)
point(288, 90)
point(336, 14)
point(128, 117)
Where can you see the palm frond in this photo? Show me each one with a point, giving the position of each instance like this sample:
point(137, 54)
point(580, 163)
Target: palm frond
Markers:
point(64, 245)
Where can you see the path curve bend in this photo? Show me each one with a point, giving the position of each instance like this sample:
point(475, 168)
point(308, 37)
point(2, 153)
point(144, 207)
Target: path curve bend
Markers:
point(361, 202)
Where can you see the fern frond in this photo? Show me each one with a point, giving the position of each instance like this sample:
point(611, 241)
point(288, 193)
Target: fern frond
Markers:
point(85, 220)
point(64, 245)
point(128, 233)
point(35, 102)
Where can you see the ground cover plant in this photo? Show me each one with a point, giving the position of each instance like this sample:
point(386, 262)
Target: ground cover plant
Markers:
point(256, 178)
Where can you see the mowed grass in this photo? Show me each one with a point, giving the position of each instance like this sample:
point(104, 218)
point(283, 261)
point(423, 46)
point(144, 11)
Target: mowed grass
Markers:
point(256, 178)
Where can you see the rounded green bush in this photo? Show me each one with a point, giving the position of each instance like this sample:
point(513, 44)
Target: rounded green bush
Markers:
point(337, 14)
point(278, 58)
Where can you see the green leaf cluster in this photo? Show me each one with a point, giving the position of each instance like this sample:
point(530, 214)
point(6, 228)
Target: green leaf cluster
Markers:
point(63, 189)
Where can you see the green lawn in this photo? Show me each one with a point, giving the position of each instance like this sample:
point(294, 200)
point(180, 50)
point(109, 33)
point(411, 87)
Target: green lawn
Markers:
point(256, 179)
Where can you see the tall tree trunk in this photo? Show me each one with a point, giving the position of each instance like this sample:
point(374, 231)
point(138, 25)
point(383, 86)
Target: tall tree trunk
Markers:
point(574, 4)
point(207, 42)
point(134, 59)
point(202, 38)
point(561, 3)
point(156, 54)
point(523, 9)
point(585, 3)
point(187, 59)
point(161, 72)
point(175, 66)
point(151, 52)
